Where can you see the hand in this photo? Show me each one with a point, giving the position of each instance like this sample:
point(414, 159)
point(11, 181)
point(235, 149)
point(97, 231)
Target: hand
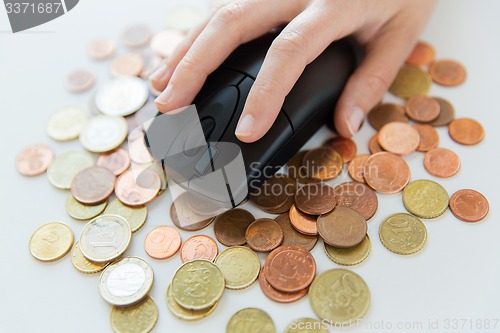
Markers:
point(388, 29)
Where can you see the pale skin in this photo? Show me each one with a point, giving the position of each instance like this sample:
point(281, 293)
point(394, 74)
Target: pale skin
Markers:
point(387, 29)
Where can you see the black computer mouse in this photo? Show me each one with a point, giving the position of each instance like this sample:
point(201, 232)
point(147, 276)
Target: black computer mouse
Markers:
point(219, 104)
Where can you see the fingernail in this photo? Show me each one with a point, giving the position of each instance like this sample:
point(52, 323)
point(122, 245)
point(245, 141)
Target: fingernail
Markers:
point(245, 126)
point(159, 73)
point(354, 120)
point(166, 96)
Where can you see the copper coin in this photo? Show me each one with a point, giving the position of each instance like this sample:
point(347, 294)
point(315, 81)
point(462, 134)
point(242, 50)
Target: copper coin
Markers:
point(446, 113)
point(274, 294)
point(302, 222)
point(292, 236)
point(264, 235)
point(386, 173)
point(116, 161)
point(136, 36)
point(199, 247)
point(429, 137)
point(93, 185)
point(138, 151)
point(441, 162)
point(469, 205)
point(128, 64)
point(137, 187)
point(448, 73)
point(34, 160)
point(423, 54)
point(294, 166)
point(290, 268)
point(422, 109)
point(356, 167)
point(343, 227)
point(202, 206)
point(358, 197)
point(315, 198)
point(79, 80)
point(101, 49)
point(275, 195)
point(386, 113)
point(185, 218)
point(164, 43)
point(323, 163)
point(344, 146)
point(466, 131)
point(162, 242)
point(399, 138)
point(230, 227)
point(374, 146)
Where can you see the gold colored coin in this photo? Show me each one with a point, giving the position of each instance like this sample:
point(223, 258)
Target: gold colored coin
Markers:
point(250, 320)
point(197, 285)
point(139, 318)
point(411, 81)
point(185, 314)
point(307, 325)
point(351, 255)
point(65, 167)
point(66, 123)
point(82, 264)
point(403, 233)
point(79, 211)
point(51, 241)
point(135, 216)
point(340, 296)
point(239, 265)
point(425, 199)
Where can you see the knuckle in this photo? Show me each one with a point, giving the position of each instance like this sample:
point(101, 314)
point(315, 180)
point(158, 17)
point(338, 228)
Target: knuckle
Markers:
point(189, 63)
point(377, 83)
point(230, 13)
point(266, 88)
point(289, 41)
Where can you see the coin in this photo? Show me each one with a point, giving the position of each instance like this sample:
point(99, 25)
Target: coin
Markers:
point(116, 161)
point(423, 54)
point(239, 265)
point(138, 151)
point(466, 131)
point(34, 160)
point(294, 165)
point(202, 206)
point(197, 285)
point(199, 247)
point(425, 199)
point(469, 205)
point(79, 211)
point(351, 255)
point(250, 320)
point(185, 218)
point(275, 195)
point(374, 146)
point(126, 282)
point(429, 137)
point(79, 80)
point(446, 113)
point(51, 241)
point(105, 238)
point(101, 48)
point(135, 216)
point(399, 138)
point(441, 162)
point(82, 264)
point(122, 96)
point(290, 268)
point(342, 227)
point(151, 63)
point(264, 235)
point(403, 234)
point(346, 147)
point(164, 43)
point(292, 236)
point(323, 163)
point(64, 168)
point(339, 296)
point(162, 242)
point(137, 187)
point(386, 173)
point(155, 167)
point(411, 81)
point(315, 199)
point(448, 72)
point(139, 318)
point(357, 196)
point(128, 64)
point(230, 226)
point(103, 133)
point(185, 314)
point(356, 167)
point(92, 185)
point(66, 123)
point(136, 36)
point(184, 17)
point(302, 222)
point(422, 109)
point(386, 113)
point(145, 115)
point(276, 295)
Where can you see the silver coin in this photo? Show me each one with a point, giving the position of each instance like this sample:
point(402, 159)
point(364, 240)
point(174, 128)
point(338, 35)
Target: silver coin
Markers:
point(105, 238)
point(65, 167)
point(122, 96)
point(126, 282)
point(66, 123)
point(103, 133)
point(184, 17)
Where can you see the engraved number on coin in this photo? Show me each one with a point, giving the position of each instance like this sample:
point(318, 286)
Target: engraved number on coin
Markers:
point(344, 290)
point(399, 225)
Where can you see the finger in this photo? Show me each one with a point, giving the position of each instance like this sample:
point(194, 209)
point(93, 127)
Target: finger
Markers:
point(232, 25)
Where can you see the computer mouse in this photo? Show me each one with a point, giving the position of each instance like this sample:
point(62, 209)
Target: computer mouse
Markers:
point(242, 167)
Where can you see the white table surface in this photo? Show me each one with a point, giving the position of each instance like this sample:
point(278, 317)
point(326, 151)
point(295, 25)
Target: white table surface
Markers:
point(456, 275)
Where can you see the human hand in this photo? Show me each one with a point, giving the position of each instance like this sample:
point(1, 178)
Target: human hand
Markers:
point(388, 30)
